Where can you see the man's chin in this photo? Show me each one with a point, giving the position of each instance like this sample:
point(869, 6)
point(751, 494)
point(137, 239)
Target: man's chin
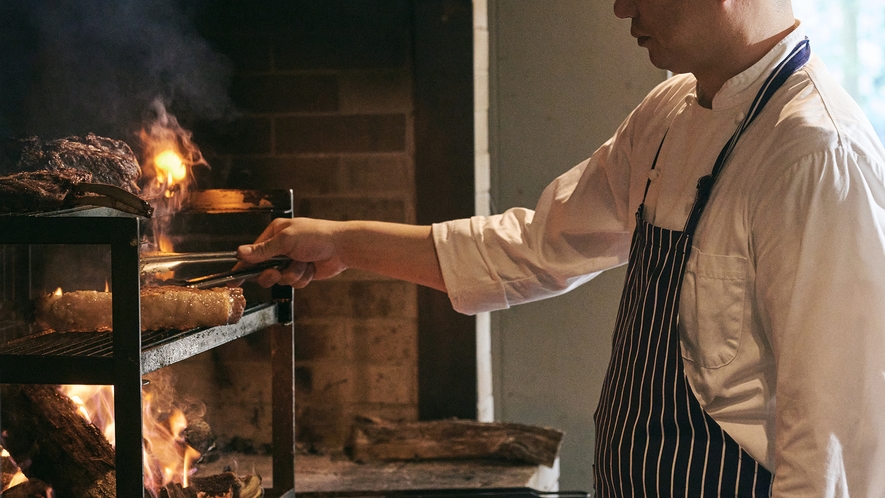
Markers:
point(663, 63)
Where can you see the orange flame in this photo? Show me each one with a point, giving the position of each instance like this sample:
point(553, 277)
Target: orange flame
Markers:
point(165, 243)
point(96, 405)
point(166, 455)
point(168, 154)
point(18, 477)
point(171, 170)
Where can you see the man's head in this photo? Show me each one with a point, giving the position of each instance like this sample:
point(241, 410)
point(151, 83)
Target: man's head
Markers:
point(714, 39)
point(676, 33)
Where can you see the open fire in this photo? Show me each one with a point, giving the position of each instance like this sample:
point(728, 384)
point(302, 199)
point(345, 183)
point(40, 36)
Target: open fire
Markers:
point(168, 458)
point(87, 447)
point(168, 156)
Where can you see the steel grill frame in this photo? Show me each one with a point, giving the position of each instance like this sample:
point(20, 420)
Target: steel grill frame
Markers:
point(121, 357)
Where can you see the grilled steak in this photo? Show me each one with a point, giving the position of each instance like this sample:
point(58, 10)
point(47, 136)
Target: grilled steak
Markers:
point(106, 160)
point(38, 190)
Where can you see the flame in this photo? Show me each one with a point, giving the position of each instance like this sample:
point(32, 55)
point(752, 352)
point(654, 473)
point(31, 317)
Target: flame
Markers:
point(168, 155)
point(58, 292)
point(170, 165)
point(96, 405)
point(18, 477)
point(165, 243)
point(167, 457)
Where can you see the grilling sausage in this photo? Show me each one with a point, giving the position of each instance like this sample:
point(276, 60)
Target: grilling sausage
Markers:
point(165, 307)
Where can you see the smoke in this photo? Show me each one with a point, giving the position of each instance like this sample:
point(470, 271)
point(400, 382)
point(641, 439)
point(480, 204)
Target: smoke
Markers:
point(72, 67)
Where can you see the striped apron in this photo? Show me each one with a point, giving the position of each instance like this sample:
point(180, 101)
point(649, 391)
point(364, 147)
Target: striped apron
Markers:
point(652, 436)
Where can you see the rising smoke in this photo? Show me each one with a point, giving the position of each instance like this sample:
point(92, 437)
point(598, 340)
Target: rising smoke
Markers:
point(77, 66)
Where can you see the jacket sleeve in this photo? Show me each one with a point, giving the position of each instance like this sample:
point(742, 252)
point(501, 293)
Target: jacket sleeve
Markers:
point(581, 225)
point(821, 286)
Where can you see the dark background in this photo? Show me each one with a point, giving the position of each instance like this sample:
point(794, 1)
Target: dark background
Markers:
point(259, 83)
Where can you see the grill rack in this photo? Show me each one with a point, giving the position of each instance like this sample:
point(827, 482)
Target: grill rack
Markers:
point(59, 354)
point(121, 357)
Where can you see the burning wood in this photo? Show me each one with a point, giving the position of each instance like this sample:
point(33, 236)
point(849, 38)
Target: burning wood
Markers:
point(52, 443)
point(66, 455)
point(32, 488)
point(11, 474)
point(165, 307)
point(16, 485)
point(226, 485)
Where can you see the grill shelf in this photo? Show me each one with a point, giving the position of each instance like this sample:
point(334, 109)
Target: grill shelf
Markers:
point(45, 355)
point(121, 357)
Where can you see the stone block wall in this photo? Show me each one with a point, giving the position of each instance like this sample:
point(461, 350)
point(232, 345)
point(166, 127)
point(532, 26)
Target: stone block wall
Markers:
point(323, 98)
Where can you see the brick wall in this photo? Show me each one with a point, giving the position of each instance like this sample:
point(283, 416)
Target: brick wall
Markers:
point(337, 100)
point(324, 98)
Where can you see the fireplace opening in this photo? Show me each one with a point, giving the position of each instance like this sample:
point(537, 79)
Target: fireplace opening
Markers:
point(361, 110)
point(44, 345)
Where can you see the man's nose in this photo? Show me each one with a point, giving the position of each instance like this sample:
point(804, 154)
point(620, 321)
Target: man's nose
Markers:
point(625, 9)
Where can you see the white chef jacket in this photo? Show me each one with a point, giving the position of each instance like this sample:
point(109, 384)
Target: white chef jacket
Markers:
point(782, 313)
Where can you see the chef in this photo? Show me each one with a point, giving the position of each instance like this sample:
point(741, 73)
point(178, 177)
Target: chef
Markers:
point(746, 194)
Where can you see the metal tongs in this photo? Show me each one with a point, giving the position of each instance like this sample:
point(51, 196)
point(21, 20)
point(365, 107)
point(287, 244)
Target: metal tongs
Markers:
point(164, 262)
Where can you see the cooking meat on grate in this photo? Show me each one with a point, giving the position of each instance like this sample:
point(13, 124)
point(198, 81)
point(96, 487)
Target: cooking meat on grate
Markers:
point(39, 190)
point(108, 161)
point(164, 307)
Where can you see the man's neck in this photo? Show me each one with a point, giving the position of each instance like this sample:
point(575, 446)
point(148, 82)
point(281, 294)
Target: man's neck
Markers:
point(710, 82)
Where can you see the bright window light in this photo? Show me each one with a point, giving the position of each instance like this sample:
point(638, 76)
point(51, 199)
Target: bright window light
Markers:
point(849, 35)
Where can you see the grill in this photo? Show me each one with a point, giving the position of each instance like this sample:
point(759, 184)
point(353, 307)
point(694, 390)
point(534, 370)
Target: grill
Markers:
point(121, 357)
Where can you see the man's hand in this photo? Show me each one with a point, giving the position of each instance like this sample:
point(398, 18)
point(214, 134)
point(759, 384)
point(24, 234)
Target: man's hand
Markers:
point(309, 243)
point(321, 249)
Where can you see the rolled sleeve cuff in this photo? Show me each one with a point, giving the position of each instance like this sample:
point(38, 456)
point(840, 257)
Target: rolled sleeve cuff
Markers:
point(471, 285)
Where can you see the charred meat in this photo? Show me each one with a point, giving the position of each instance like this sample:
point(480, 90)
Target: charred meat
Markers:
point(108, 161)
point(39, 190)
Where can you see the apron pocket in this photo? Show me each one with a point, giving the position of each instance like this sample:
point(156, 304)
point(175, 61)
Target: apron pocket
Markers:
point(711, 308)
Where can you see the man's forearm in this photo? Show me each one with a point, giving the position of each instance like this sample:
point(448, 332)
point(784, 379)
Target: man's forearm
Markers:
point(405, 252)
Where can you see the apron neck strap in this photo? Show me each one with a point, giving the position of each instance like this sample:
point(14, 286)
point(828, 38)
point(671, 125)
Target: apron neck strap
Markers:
point(795, 60)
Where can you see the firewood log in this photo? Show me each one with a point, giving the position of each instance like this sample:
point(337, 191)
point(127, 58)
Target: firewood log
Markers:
point(53, 443)
point(175, 490)
point(32, 488)
point(8, 468)
point(373, 439)
point(224, 485)
point(228, 484)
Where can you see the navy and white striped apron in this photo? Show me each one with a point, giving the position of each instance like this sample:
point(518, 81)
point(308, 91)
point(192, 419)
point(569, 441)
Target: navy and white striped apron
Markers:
point(652, 436)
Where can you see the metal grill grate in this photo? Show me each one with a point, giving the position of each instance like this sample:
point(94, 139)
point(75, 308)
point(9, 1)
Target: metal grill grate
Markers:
point(119, 358)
